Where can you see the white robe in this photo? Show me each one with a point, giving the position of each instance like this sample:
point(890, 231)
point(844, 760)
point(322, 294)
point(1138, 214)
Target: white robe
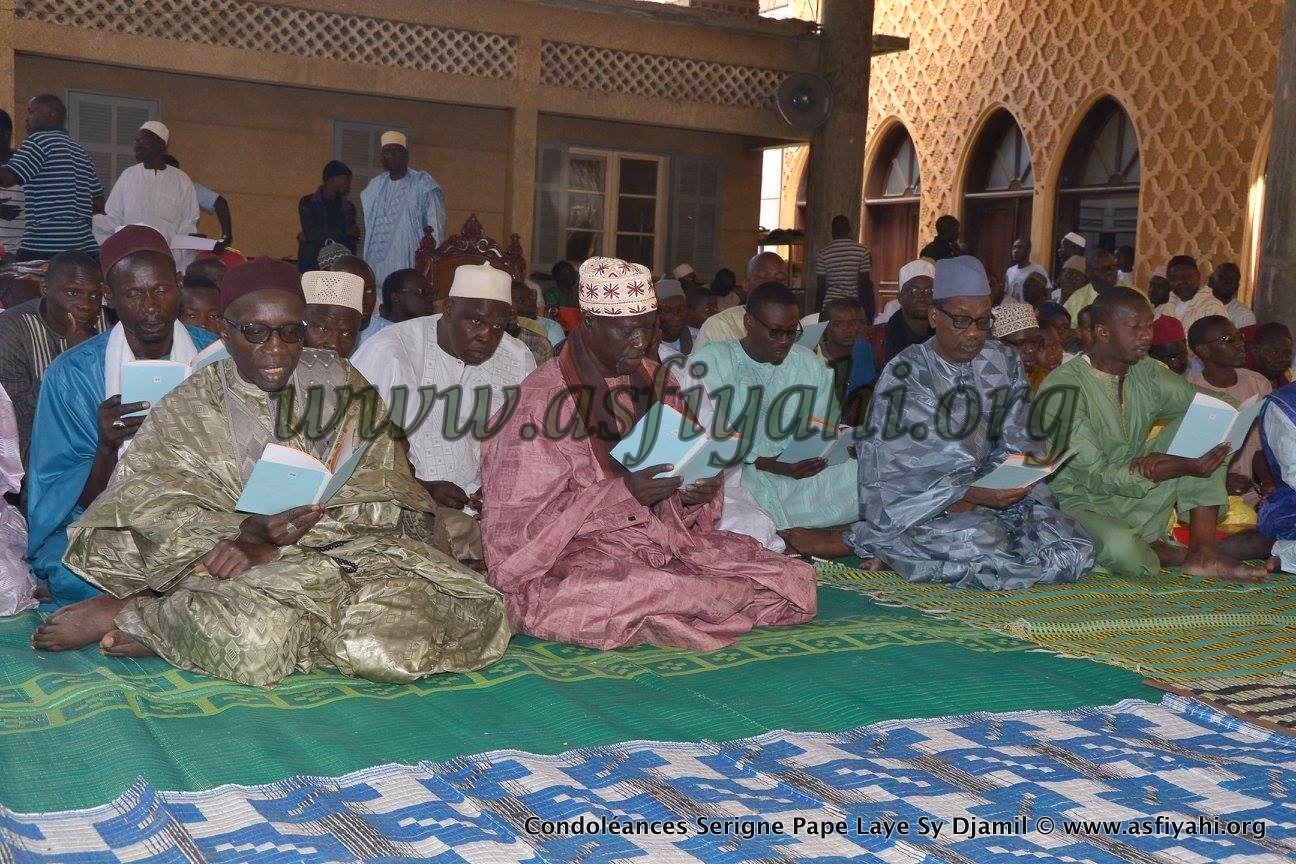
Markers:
point(407, 355)
point(164, 199)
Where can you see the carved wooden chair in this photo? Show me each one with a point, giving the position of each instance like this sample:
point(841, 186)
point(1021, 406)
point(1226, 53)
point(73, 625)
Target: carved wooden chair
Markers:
point(469, 246)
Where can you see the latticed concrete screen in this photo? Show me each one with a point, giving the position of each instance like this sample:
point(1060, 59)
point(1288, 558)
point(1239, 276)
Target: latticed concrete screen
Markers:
point(679, 79)
point(290, 30)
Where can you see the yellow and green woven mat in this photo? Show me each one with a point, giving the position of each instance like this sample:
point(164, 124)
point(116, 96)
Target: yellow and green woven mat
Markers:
point(1169, 626)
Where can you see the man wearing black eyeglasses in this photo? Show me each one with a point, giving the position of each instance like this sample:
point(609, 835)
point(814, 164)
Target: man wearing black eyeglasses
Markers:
point(948, 412)
point(760, 385)
point(252, 598)
point(1218, 343)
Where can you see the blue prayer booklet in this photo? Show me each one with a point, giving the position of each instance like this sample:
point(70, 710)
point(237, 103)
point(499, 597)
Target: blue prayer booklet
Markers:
point(663, 428)
point(285, 478)
point(1210, 422)
point(1015, 473)
point(811, 334)
point(150, 380)
point(835, 448)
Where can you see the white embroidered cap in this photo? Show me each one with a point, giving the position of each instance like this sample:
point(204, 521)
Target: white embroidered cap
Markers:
point(332, 288)
point(610, 286)
point(393, 137)
point(1072, 237)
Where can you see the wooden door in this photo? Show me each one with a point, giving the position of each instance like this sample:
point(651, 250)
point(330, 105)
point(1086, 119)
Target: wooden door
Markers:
point(892, 237)
point(991, 225)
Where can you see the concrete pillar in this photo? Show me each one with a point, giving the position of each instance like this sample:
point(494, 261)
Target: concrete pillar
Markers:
point(837, 148)
point(519, 178)
point(1275, 295)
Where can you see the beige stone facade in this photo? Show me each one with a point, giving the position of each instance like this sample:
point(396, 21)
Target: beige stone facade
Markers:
point(1194, 76)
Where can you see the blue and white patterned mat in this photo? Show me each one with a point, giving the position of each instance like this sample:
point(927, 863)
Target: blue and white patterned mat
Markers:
point(906, 791)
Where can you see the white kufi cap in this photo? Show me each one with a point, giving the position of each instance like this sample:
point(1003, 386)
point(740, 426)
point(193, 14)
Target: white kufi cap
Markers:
point(482, 282)
point(158, 129)
point(333, 288)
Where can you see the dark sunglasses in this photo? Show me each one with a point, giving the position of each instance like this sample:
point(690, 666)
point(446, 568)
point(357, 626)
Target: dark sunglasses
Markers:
point(962, 322)
point(257, 334)
point(779, 332)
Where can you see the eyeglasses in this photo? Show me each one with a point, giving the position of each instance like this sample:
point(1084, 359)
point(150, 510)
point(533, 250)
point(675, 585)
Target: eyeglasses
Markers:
point(963, 322)
point(779, 332)
point(914, 290)
point(292, 332)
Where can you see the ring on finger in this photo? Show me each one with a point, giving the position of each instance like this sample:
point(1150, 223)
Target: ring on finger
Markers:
point(119, 423)
point(292, 529)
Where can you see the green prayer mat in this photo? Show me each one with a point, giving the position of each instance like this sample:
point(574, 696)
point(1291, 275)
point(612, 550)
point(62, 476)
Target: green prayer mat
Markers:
point(1169, 626)
point(77, 728)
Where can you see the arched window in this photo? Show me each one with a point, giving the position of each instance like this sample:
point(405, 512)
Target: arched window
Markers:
point(1098, 189)
point(892, 195)
point(998, 195)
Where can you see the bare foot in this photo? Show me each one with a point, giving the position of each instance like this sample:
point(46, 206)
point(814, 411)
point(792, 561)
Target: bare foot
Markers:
point(819, 542)
point(1213, 565)
point(1170, 554)
point(119, 643)
point(78, 625)
point(42, 593)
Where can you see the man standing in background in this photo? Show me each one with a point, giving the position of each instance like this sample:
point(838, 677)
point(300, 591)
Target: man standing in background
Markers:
point(153, 193)
point(11, 201)
point(842, 268)
point(326, 215)
point(59, 181)
point(400, 207)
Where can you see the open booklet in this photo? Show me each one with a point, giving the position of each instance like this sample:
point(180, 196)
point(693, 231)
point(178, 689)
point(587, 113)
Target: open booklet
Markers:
point(209, 355)
point(1016, 472)
point(285, 478)
point(835, 449)
point(150, 380)
point(695, 458)
point(1210, 422)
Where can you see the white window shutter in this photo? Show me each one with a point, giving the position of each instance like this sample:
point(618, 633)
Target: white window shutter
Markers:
point(105, 125)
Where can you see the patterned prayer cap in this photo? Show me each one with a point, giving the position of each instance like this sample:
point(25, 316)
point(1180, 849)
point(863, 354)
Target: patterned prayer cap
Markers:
point(612, 287)
point(1013, 318)
point(334, 288)
point(330, 252)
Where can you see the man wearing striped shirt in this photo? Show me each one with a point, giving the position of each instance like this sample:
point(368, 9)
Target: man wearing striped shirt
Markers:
point(59, 182)
point(32, 334)
point(11, 200)
point(843, 266)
